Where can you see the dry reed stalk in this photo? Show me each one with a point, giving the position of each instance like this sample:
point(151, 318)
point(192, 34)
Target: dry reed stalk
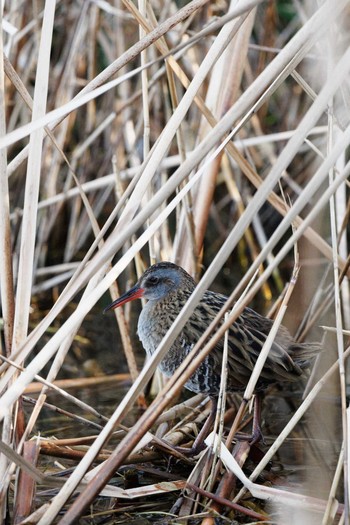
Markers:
point(208, 115)
point(272, 494)
point(266, 84)
point(293, 421)
point(237, 199)
point(172, 125)
point(58, 410)
point(222, 502)
point(172, 68)
point(77, 441)
point(126, 339)
point(102, 182)
point(68, 452)
point(249, 391)
point(25, 270)
point(6, 276)
point(93, 87)
point(110, 277)
point(177, 380)
point(65, 346)
point(253, 178)
point(189, 369)
point(292, 213)
point(219, 419)
point(119, 313)
point(37, 387)
point(227, 482)
point(222, 92)
point(339, 327)
point(27, 467)
point(26, 485)
point(67, 343)
point(80, 382)
point(332, 494)
point(211, 119)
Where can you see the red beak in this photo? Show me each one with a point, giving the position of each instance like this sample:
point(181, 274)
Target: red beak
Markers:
point(134, 293)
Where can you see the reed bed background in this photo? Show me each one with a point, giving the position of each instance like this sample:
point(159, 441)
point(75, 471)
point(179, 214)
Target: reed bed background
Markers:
point(211, 134)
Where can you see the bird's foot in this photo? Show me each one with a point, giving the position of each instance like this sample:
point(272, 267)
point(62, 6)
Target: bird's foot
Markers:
point(194, 450)
point(255, 437)
point(179, 451)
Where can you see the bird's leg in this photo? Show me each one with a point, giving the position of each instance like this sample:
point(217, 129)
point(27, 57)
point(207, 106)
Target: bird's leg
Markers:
point(253, 438)
point(198, 442)
point(257, 434)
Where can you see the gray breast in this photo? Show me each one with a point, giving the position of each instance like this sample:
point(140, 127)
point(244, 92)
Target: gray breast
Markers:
point(148, 330)
point(153, 324)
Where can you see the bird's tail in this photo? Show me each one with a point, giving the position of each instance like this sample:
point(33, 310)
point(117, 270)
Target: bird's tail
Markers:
point(303, 353)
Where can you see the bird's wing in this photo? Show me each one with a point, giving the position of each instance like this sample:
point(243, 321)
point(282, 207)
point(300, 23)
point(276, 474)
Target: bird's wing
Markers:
point(247, 336)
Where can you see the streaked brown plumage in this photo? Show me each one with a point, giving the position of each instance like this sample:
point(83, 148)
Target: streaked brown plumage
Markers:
point(167, 288)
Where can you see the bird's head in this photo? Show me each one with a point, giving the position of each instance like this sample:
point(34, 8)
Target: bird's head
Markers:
point(155, 284)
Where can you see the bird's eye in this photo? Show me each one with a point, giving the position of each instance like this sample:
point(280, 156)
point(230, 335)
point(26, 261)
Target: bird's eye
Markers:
point(153, 280)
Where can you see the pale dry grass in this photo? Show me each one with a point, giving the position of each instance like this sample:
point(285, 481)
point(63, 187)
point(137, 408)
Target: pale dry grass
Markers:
point(214, 136)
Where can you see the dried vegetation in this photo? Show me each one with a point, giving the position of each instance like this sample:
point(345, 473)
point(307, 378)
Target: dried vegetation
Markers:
point(213, 134)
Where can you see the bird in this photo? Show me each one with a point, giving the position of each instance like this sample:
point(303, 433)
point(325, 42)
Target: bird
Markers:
point(166, 287)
